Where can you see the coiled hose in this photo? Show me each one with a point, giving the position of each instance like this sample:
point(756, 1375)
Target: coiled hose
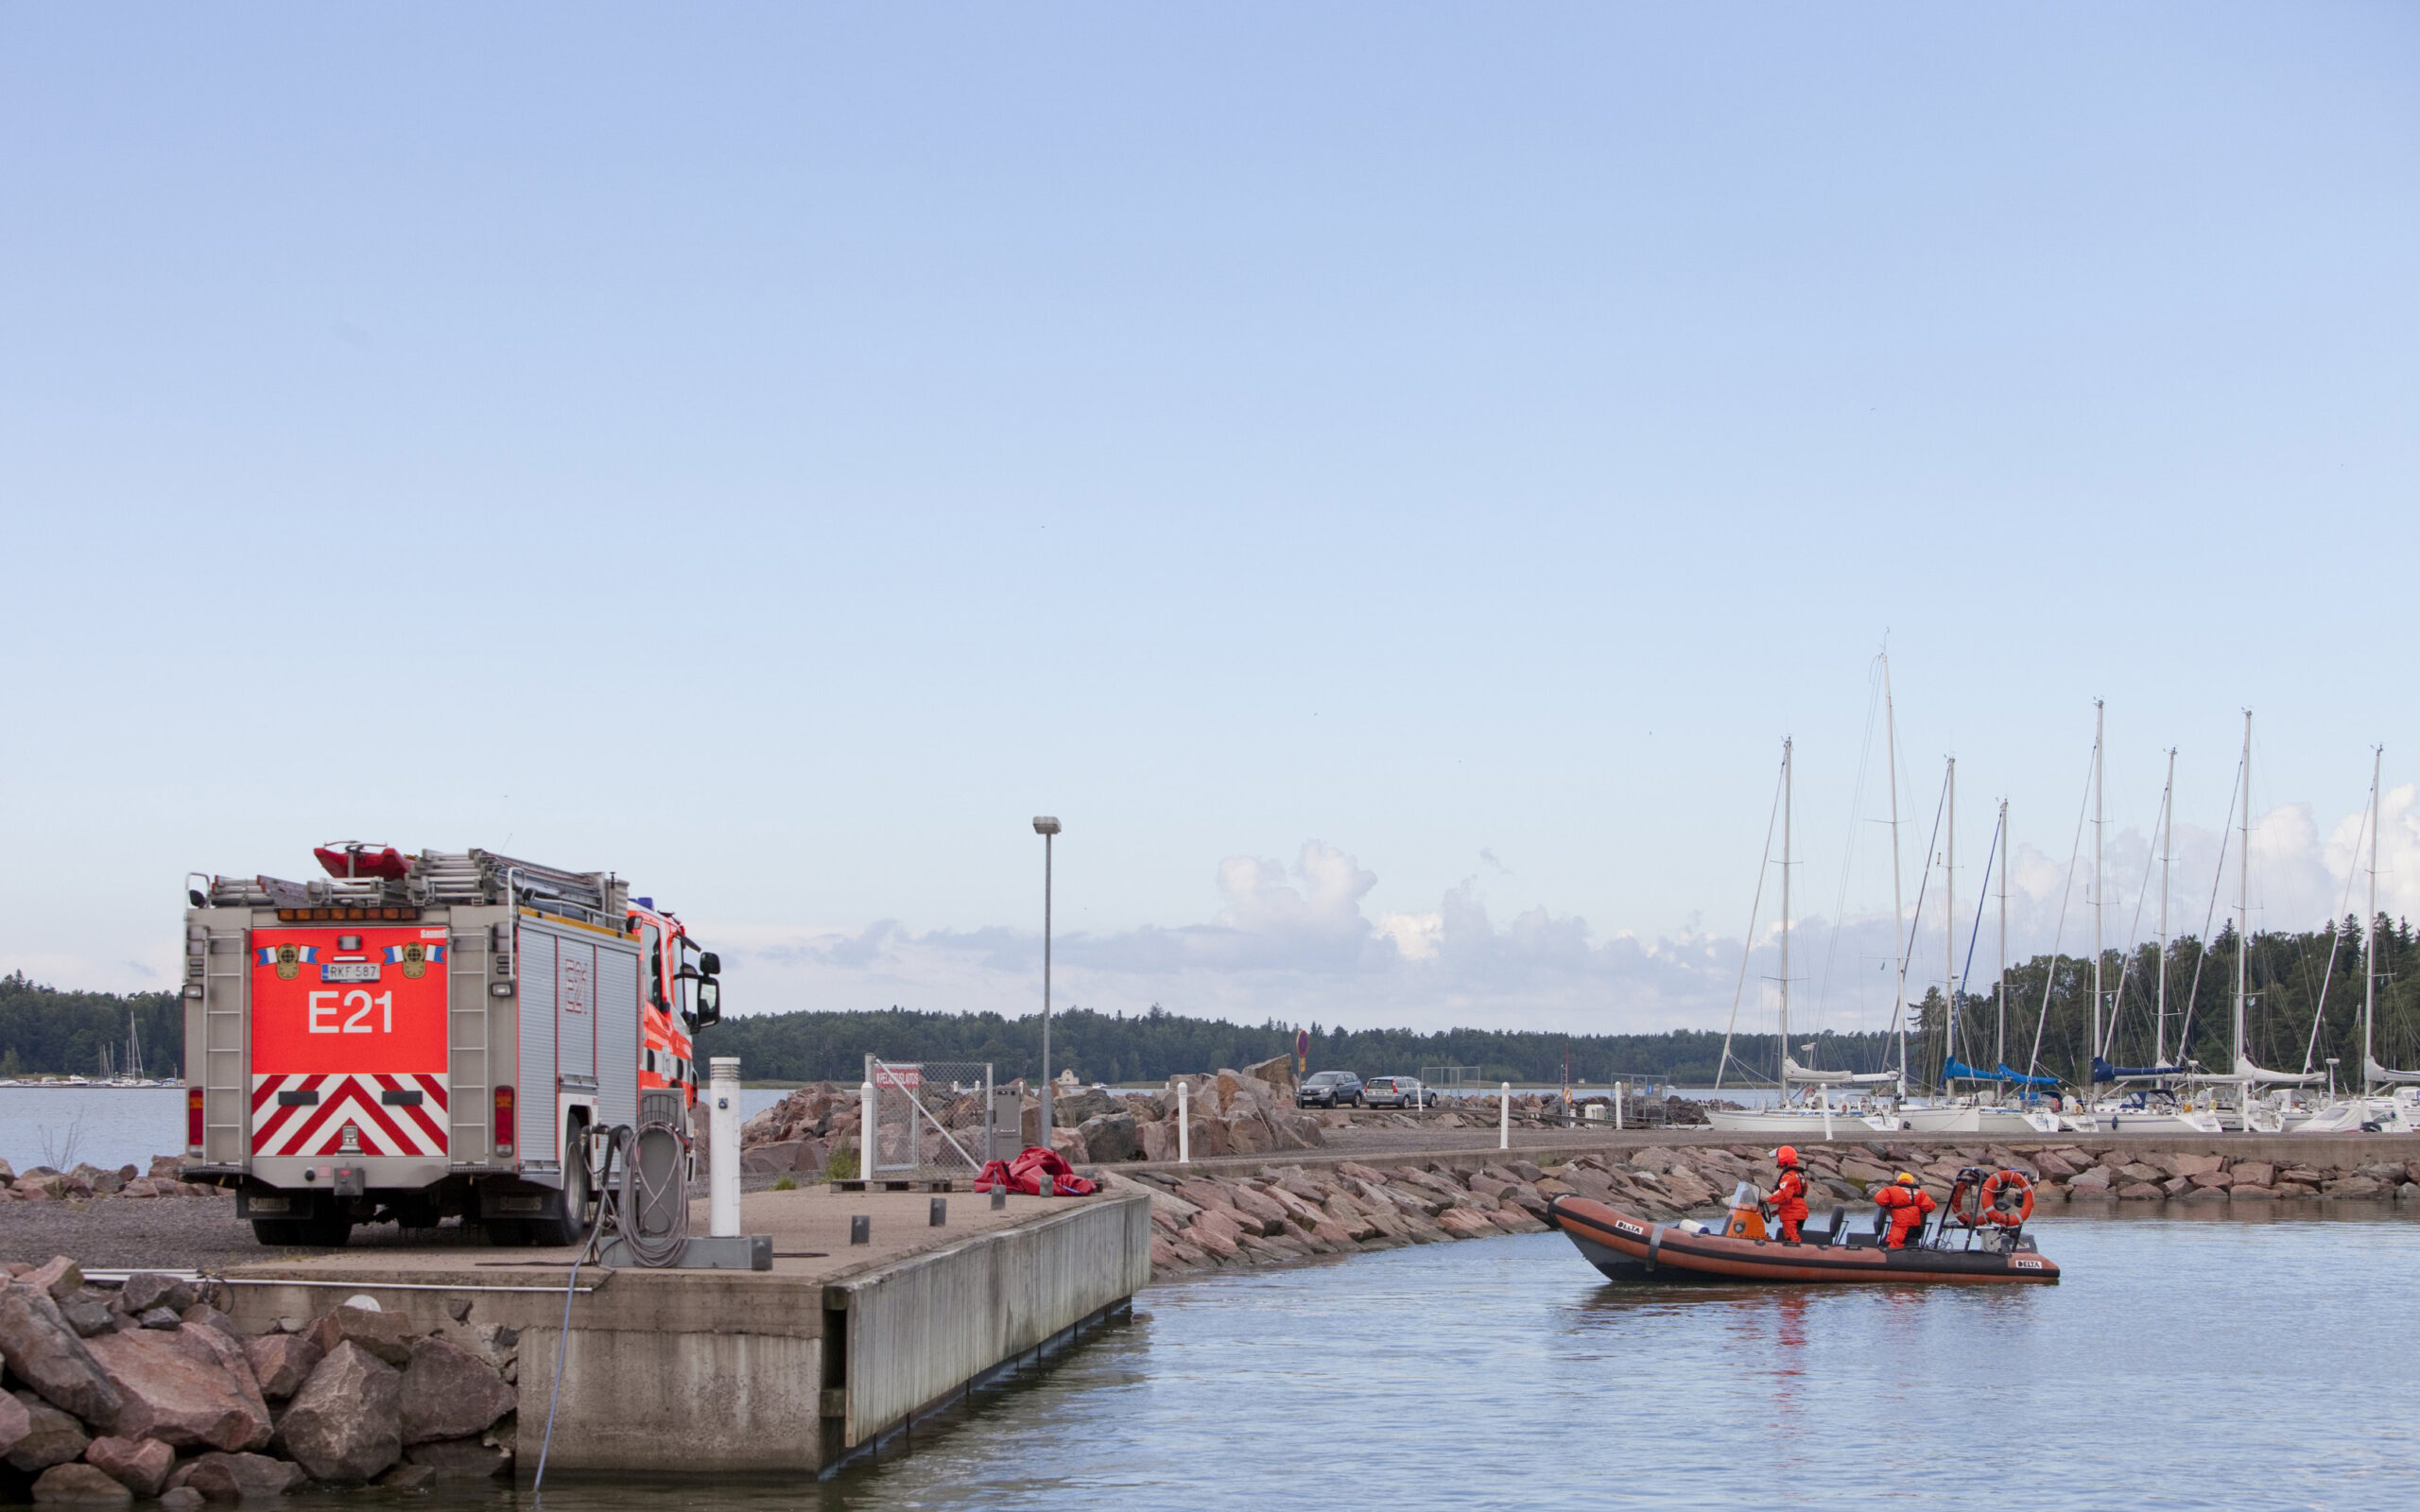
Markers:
point(663, 1204)
point(652, 1215)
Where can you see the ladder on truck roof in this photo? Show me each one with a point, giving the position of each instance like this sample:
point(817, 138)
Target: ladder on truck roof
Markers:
point(437, 878)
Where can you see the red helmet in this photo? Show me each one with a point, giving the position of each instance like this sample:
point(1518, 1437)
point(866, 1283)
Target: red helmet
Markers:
point(1787, 1155)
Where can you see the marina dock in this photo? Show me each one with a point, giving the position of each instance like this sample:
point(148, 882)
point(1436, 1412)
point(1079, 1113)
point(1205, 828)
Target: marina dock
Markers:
point(794, 1369)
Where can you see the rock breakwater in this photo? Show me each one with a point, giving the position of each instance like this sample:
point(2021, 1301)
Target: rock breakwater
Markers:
point(1279, 1212)
point(146, 1390)
point(42, 1183)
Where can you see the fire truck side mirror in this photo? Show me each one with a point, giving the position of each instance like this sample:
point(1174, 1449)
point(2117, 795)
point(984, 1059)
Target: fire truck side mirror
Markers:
point(710, 964)
point(709, 1000)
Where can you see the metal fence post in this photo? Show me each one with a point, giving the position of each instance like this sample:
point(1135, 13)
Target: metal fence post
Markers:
point(1184, 1122)
point(1504, 1118)
point(867, 1142)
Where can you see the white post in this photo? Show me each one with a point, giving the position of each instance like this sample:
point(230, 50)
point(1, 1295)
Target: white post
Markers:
point(1504, 1118)
point(1823, 1094)
point(1618, 1107)
point(865, 1131)
point(1183, 1123)
point(723, 1175)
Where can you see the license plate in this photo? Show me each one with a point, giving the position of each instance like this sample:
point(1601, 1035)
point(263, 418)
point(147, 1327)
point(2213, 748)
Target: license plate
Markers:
point(349, 971)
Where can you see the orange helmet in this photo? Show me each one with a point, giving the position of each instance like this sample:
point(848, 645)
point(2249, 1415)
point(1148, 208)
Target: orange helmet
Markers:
point(1787, 1155)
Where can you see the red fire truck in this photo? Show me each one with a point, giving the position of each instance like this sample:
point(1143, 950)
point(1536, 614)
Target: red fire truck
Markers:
point(417, 1037)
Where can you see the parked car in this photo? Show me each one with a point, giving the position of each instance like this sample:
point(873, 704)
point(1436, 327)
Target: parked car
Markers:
point(1329, 1089)
point(1398, 1091)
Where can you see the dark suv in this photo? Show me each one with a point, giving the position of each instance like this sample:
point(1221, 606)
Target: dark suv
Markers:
point(1330, 1088)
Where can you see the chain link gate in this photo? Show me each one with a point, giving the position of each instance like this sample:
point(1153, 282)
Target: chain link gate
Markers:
point(1458, 1083)
point(932, 1121)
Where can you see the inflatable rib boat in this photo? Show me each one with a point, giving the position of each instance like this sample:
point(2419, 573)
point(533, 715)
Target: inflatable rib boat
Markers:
point(1972, 1246)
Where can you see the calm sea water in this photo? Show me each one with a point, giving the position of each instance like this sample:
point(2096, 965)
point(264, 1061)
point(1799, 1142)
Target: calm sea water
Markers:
point(128, 1125)
point(2184, 1364)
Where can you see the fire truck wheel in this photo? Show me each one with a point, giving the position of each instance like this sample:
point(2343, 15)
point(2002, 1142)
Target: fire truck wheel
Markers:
point(328, 1231)
point(567, 1219)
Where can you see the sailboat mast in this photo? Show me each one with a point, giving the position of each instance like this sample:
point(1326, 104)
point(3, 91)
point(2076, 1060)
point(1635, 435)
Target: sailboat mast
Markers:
point(1898, 905)
point(2167, 854)
point(1785, 919)
point(2097, 718)
point(2243, 904)
point(1949, 914)
point(1999, 1044)
point(2370, 930)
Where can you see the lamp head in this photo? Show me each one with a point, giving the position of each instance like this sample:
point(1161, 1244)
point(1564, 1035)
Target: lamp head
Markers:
point(1044, 824)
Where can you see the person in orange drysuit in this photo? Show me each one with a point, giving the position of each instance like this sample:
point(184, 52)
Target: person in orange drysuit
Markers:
point(1908, 1206)
point(1789, 1200)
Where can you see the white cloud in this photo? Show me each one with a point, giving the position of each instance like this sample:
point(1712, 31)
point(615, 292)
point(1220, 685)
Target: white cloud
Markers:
point(1299, 942)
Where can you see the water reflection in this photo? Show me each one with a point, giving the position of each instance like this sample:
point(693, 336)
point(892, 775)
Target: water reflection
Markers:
point(2175, 1358)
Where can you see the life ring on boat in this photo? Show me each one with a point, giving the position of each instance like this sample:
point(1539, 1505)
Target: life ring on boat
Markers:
point(1964, 1207)
point(2001, 1189)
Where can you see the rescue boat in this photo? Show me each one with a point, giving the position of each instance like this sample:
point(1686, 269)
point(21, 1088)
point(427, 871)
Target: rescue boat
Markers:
point(1979, 1239)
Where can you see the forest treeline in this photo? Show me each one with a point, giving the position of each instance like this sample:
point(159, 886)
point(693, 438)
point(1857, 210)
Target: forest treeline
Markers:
point(45, 1030)
point(1156, 1044)
point(2302, 1004)
point(42, 1029)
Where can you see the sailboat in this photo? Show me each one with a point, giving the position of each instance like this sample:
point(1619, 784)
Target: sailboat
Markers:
point(2248, 1114)
point(2398, 1111)
point(1796, 1119)
point(1977, 1113)
point(2151, 1107)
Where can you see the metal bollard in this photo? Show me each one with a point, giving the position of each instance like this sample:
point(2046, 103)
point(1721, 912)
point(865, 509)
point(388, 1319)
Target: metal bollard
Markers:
point(1504, 1118)
point(1000, 1198)
point(865, 1132)
point(860, 1228)
point(939, 1218)
point(723, 1168)
point(1183, 1123)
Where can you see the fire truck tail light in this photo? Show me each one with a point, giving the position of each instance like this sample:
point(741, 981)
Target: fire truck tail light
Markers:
point(193, 1122)
point(502, 1122)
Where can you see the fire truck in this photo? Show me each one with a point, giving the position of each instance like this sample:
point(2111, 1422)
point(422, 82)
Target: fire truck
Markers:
point(411, 1037)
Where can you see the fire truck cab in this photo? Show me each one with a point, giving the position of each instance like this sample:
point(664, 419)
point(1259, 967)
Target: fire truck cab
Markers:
point(413, 1038)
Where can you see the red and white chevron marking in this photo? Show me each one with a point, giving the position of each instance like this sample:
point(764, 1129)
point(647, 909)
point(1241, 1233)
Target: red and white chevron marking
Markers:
point(318, 1128)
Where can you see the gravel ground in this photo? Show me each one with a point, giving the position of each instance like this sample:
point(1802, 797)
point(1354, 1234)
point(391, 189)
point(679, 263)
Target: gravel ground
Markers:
point(187, 1233)
point(169, 1234)
point(1383, 1135)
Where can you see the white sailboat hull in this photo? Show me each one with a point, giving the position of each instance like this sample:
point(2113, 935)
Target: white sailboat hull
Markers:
point(1977, 1118)
point(2158, 1121)
point(1802, 1122)
point(2393, 1115)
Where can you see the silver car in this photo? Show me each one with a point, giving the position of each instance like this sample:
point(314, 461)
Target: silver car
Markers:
point(1397, 1091)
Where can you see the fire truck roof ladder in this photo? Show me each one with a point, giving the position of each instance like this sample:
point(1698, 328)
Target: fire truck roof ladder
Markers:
point(439, 878)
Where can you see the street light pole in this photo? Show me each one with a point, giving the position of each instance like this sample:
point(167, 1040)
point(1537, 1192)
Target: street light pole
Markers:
point(1047, 826)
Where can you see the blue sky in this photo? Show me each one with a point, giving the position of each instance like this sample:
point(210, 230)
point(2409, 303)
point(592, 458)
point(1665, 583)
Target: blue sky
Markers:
point(776, 451)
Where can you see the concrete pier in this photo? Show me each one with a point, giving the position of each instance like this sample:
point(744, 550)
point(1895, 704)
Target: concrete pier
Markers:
point(792, 1369)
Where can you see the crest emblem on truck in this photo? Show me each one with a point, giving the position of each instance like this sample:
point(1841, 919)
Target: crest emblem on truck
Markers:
point(288, 960)
point(414, 959)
